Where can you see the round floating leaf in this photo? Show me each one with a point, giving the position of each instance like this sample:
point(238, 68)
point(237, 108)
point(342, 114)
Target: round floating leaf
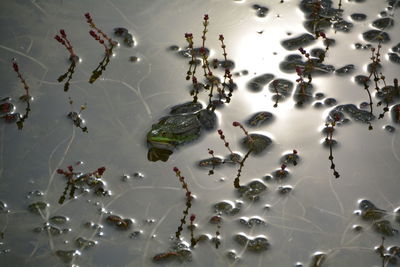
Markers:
point(257, 142)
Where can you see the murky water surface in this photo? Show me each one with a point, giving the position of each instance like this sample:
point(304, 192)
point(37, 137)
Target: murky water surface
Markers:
point(273, 200)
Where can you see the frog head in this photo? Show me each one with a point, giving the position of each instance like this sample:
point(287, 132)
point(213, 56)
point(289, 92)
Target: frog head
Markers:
point(173, 131)
point(160, 137)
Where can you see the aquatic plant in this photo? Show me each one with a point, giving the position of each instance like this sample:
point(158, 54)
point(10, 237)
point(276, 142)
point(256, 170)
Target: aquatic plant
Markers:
point(387, 255)
point(234, 156)
point(330, 128)
point(99, 35)
point(188, 201)
point(213, 161)
point(307, 69)
point(68, 74)
point(77, 179)
point(76, 116)
point(25, 97)
point(63, 40)
point(101, 38)
point(373, 72)
point(389, 93)
point(224, 89)
point(322, 55)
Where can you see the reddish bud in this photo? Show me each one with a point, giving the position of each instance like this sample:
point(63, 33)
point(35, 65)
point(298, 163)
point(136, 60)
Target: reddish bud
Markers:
point(70, 168)
point(101, 170)
point(221, 37)
point(93, 34)
point(58, 38)
point(220, 132)
point(235, 124)
point(322, 34)
point(87, 16)
point(176, 169)
point(192, 217)
point(59, 171)
point(294, 151)
point(206, 17)
point(283, 167)
point(63, 34)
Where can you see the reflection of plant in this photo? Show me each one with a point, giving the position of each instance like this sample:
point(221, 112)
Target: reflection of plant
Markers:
point(76, 116)
point(217, 234)
point(25, 97)
point(74, 179)
point(68, 74)
point(193, 239)
point(213, 82)
point(96, 73)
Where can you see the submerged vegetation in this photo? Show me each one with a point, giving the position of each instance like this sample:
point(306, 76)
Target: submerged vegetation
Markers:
point(106, 42)
point(63, 40)
point(26, 97)
point(76, 116)
point(77, 180)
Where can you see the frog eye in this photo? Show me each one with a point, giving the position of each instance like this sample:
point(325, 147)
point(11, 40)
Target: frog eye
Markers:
point(163, 133)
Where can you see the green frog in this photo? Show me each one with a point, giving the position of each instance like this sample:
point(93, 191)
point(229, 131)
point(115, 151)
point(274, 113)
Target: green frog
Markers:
point(184, 125)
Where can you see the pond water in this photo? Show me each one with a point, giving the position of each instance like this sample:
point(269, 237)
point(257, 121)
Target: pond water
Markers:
point(287, 208)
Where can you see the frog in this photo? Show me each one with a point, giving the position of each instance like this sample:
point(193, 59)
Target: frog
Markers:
point(184, 125)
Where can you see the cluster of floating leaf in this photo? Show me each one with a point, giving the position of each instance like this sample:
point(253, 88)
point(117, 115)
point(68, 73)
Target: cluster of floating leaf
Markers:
point(7, 108)
point(78, 181)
